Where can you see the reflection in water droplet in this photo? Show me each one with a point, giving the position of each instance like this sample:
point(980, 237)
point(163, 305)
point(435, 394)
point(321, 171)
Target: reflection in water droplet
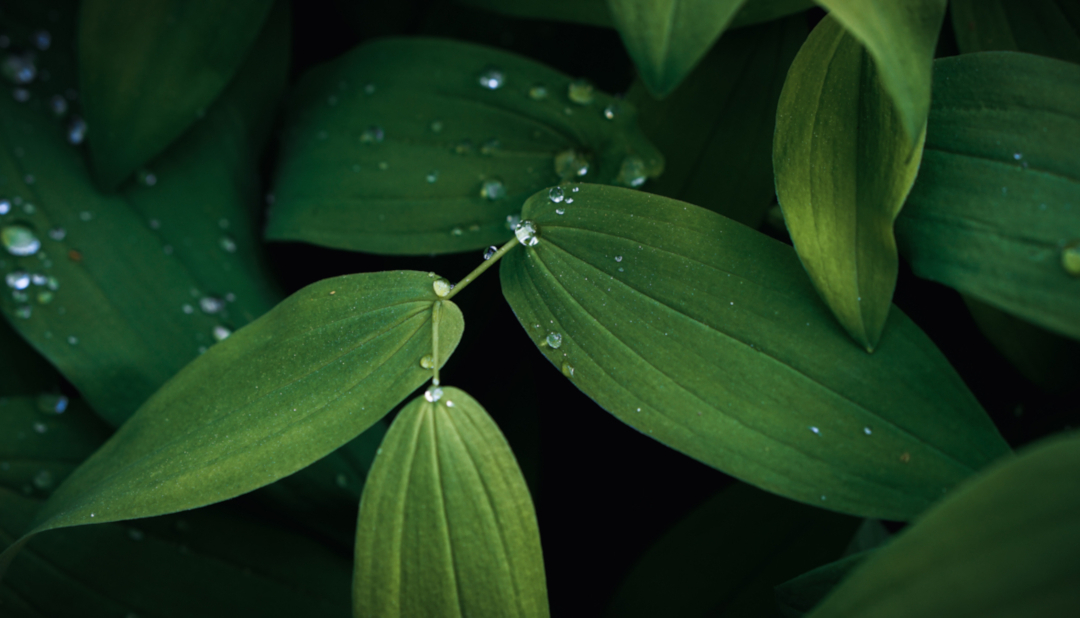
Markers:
point(556, 194)
point(492, 189)
point(457, 231)
point(442, 287)
point(492, 78)
point(19, 240)
point(553, 340)
point(433, 394)
point(580, 91)
point(490, 251)
point(1070, 258)
point(631, 172)
point(527, 234)
point(427, 361)
point(72, 340)
point(52, 403)
point(560, 211)
point(539, 92)
point(618, 258)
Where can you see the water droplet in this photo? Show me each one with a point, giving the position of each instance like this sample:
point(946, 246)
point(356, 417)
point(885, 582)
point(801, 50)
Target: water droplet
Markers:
point(187, 309)
point(539, 92)
point(372, 135)
point(76, 133)
point(580, 91)
point(457, 231)
point(612, 110)
point(618, 258)
point(492, 189)
point(383, 166)
point(52, 403)
point(463, 147)
point(72, 340)
point(57, 233)
point(432, 176)
point(58, 104)
point(52, 283)
point(19, 68)
point(23, 312)
point(433, 394)
point(228, 244)
point(427, 361)
point(44, 297)
point(43, 479)
point(147, 178)
point(221, 333)
point(436, 126)
point(631, 172)
point(571, 164)
point(369, 89)
point(42, 39)
point(40, 427)
point(867, 430)
point(526, 233)
point(492, 78)
point(442, 287)
point(135, 535)
point(86, 216)
point(5, 207)
point(1017, 156)
point(560, 211)
point(341, 480)
point(553, 340)
point(19, 240)
point(490, 147)
point(490, 251)
point(567, 369)
point(211, 305)
point(815, 430)
point(18, 280)
point(556, 194)
point(1070, 258)
point(512, 221)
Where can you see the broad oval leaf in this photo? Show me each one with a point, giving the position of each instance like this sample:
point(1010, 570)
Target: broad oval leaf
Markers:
point(126, 289)
point(901, 36)
point(667, 38)
point(716, 129)
point(843, 168)
point(1005, 544)
point(149, 70)
point(707, 336)
point(421, 146)
point(995, 212)
point(274, 397)
point(1044, 27)
point(446, 523)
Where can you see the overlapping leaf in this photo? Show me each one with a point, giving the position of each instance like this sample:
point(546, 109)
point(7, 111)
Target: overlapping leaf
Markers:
point(995, 212)
point(843, 168)
point(716, 129)
point(1043, 27)
point(421, 146)
point(798, 596)
point(1004, 544)
point(446, 524)
point(150, 70)
point(277, 395)
point(707, 336)
point(596, 12)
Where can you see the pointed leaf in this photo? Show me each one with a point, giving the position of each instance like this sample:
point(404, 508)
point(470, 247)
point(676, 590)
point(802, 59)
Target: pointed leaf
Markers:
point(901, 36)
point(596, 12)
point(149, 70)
point(707, 336)
point(274, 397)
point(1005, 544)
point(446, 524)
point(799, 595)
point(995, 212)
point(843, 168)
point(397, 147)
point(716, 129)
point(667, 38)
point(1044, 27)
point(760, 11)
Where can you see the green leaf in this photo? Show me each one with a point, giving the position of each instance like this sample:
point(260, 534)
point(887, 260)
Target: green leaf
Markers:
point(667, 38)
point(995, 212)
point(798, 596)
point(843, 168)
point(707, 336)
point(446, 524)
point(726, 556)
point(22, 370)
point(1004, 544)
point(901, 37)
point(760, 11)
point(716, 129)
point(393, 147)
point(596, 12)
point(149, 70)
point(277, 395)
point(1044, 27)
point(132, 272)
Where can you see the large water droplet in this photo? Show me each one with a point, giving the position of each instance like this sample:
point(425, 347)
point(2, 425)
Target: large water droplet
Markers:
point(556, 194)
point(19, 68)
point(433, 394)
point(492, 189)
point(372, 135)
point(631, 172)
point(554, 340)
point(442, 287)
point(490, 252)
point(492, 78)
point(19, 240)
point(52, 403)
point(526, 233)
point(1070, 258)
point(581, 91)
point(18, 280)
point(76, 130)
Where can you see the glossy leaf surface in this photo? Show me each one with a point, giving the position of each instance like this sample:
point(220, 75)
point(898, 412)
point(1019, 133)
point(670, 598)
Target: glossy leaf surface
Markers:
point(707, 336)
point(149, 70)
point(901, 36)
point(421, 146)
point(1044, 27)
point(995, 212)
point(274, 397)
point(141, 280)
point(446, 523)
point(716, 130)
point(843, 168)
point(1004, 544)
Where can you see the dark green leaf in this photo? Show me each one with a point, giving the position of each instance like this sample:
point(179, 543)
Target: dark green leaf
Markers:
point(716, 129)
point(446, 524)
point(1005, 544)
point(393, 147)
point(799, 595)
point(596, 12)
point(667, 38)
point(901, 37)
point(707, 336)
point(22, 370)
point(995, 212)
point(760, 11)
point(277, 395)
point(726, 556)
point(149, 70)
point(133, 272)
point(843, 168)
point(1043, 27)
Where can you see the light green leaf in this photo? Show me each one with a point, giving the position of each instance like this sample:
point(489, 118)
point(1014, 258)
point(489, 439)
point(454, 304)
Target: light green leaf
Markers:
point(667, 38)
point(901, 36)
point(274, 397)
point(843, 168)
point(799, 595)
point(1043, 27)
point(149, 70)
point(726, 556)
point(446, 524)
point(133, 273)
point(397, 148)
point(1005, 544)
point(707, 336)
point(995, 212)
point(716, 129)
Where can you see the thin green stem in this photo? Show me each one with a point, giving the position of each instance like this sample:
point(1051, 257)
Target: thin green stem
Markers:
point(435, 307)
point(479, 270)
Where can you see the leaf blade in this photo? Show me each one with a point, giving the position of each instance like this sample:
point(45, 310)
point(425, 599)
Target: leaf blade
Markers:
point(1045, 27)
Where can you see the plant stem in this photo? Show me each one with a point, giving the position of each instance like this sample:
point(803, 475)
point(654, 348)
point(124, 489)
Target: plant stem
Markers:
point(479, 270)
point(435, 307)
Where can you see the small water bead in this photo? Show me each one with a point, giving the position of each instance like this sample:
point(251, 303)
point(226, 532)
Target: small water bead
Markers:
point(76, 131)
point(5, 207)
point(867, 430)
point(29, 179)
point(369, 89)
point(490, 147)
point(21, 95)
point(433, 394)
point(221, 333)
point(72, 340)
point(43, 479)
point(57, 233)
point(556, 194)
point(567, 369)
point(492, 78)
point(147, 178)
point(457, 231)
point(538, 92)
point(560, 211)
point(442, 287)
point(341, 480)
point(553, 340)
point(135, 535)
point(40, 427)
point(631, 172)
point(1070, 258)
point(526, 233)
point(44, 297)
point(42, 39)
point(815, 430)
point(187, 309)
point(618, 258)
point(38, 279)
point(490, 252)
point(427, 361)
point(85, 216)
point(372, 135)
point(23, 312)
point(612, 110)
point(436, 126)
point(18, 280)
point(58, 104)
point(228, 244)
point(20, 296)
point(383, 166)
point(52, 283)
point(492, 189)
point(432, 176)
point(581, 91)
point(19, 68)
point(463, 147)
point(211, 305)
point(19, 240)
